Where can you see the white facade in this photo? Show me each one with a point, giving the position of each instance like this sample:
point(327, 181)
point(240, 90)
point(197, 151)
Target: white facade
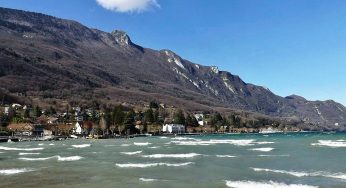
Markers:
point(173, 128)
point(77, 129)
point(200, 119)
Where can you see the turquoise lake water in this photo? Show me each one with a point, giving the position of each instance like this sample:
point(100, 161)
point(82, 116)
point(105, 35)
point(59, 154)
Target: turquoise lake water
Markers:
point(245, 160)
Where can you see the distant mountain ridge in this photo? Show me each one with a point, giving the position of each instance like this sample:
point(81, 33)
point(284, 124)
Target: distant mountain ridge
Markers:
point(47, 58)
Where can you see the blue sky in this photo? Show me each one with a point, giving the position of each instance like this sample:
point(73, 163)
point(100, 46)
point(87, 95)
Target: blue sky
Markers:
point(290, 46)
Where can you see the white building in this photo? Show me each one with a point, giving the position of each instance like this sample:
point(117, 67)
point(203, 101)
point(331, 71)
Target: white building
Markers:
point(78, 128)
point(200, 119)
point(173, 128)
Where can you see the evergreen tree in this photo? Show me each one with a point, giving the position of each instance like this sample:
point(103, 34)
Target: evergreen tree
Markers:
point(153, 104)
point(37, 111)
point(179, 117)
point(149, 116)
point(26, 113)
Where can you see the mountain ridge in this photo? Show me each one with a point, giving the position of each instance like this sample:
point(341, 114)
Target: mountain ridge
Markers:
point(47, 59)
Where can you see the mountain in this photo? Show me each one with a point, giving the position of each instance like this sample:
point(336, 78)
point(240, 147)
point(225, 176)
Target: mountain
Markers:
point(51, 60)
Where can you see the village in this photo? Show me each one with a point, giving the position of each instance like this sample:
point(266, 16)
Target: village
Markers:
point(25, 122)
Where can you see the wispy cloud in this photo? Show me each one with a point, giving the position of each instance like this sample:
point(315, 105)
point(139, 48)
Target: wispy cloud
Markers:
point(128, 5)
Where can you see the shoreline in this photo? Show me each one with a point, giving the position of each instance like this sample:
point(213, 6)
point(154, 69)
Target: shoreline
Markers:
point(7, 139)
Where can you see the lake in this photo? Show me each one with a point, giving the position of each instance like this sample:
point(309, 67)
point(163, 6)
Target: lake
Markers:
point(238, 160)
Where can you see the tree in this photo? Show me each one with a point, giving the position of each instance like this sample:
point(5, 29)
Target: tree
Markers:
point(191, 121)
point(26, 113)
point(179, 117)
point(156, 116)
point(37, 111)
point(149, 116)
point(153, 104)
point(118, 117)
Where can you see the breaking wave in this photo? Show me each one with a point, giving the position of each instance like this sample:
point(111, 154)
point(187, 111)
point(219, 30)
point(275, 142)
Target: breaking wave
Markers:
point(15, 171)
point(331, 143)
point(59, 158)
point(226, 156)
point(262, 149)
point(125, 145)
point(131, 153)
point(187, 155)
point(29, 153)
point(81, 146)
point(20, 149)
point(146, 165)
point(147, 179)
point(304, 174)
point(141, 143)
point(268, 184)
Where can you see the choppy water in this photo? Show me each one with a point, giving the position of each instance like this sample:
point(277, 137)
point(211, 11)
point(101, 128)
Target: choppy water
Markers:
point(247, 160)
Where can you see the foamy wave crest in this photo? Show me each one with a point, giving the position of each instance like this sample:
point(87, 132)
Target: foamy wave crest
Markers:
point(13, 171)
point(183, 138)
point(125, 145)
point(131, 153)
point(20, 149)
point(265, 142)
point(59, 158)
point(304, 174)
point(51, 144)
point(213, 142)
point(157, 156)
point(81, 146)
point(154, 147)
point(146, 165)
point(226, 156)
point(269, 184)
point(29, 153)
point(72, 158)
point(141, 143)
point(147, 179)
point(331, 143)
point(262, 149)
point(36, 159)
point(163, 137)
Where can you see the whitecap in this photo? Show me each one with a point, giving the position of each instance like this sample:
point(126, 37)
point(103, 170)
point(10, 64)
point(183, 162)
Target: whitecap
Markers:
point(226, 156)
point(330, 143)
point(72, 158)
point(147, 179)
point(265, 142)
point(154, 147)
point(262, 149)
point(36, 159)
point(59, 158)
point(131, 153)
point(19, 149)
point(141, 143)
point(157, 156)
point(182, 138)
point(51, 144)
point(146, 165)
point(29, 153)
point(41, 144)
point(81, 146)
point(304, 174)
point(125, 145)
point(163, 137)
point(15, 171)
point(268, 184)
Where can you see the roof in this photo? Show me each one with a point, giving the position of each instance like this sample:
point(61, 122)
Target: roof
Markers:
point(21, 127)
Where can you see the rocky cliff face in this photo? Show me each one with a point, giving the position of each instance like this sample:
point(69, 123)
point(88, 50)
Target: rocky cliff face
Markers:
point(51, 58)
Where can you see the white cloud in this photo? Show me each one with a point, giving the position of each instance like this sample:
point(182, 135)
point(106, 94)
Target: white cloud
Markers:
point(128, 5)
